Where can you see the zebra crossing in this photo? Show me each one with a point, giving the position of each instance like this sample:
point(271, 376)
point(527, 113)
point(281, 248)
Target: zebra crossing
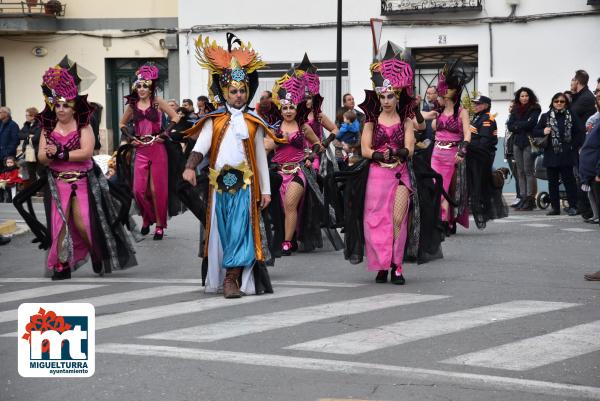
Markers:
point(172, 300)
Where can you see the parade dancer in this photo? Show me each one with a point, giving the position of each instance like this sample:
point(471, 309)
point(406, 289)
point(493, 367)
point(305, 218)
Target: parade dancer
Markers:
point(388, 140)
point(84, 218)
point(232, 138)
point(151, 161)
point(292, 163)
point(452, 137)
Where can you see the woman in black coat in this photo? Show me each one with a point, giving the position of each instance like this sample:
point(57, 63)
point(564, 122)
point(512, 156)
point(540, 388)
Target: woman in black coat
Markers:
point(565, 134)
point(523, 119)
point(30, 135)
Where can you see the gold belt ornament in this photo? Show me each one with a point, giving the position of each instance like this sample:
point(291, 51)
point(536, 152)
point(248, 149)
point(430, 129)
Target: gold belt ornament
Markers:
point(147, 139)
point(395, 162)
point(445, 145)
point(290, 168)
point(230, 179)
point(70, 176)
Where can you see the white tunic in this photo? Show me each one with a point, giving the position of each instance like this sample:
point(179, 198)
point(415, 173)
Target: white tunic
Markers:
point(231, 152)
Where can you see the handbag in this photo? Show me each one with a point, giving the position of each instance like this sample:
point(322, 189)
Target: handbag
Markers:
point(538, 144)
point(30, 154)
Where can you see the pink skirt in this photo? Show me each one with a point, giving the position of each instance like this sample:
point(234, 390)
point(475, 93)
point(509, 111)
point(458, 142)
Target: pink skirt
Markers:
point(381, 248)
point(443, 161)
point(151, 159)
point(80, 248)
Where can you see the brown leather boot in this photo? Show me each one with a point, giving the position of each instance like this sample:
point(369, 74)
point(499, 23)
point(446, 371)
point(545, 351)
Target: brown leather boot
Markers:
point(592, 276)
point(231, 287)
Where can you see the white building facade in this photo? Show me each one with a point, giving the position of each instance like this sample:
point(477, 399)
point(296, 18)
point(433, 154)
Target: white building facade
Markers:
point(534, 43)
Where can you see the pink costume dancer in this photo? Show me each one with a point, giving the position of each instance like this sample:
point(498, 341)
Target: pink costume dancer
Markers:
point(387, 203)
point(289, 156)
point(151, 163)
point(448, 136)
point(382, 248)
point(71, 182)
point(452, 140)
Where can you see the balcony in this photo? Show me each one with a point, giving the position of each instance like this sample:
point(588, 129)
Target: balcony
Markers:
point(399, 7)
point(31, 8)
point(30, 16)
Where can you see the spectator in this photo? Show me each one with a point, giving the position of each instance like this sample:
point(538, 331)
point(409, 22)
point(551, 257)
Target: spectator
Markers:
point(189, 105)
point(9, 134)
point(589, 171)
point(204, 106)
point(348, 104)
point(349, 136)
point(509, 141)
point(521, 122)
point(9, 179)
point(565, 135)
point(594, 120)
point(430, 104)
point(165, 118)
point(583, 103)
point(30, 135)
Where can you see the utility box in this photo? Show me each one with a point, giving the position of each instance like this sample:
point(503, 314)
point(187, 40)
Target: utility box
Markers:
point(501, 90)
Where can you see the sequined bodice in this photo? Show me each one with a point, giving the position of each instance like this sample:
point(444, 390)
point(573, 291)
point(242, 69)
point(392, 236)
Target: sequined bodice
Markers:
point(449, 128)
point(71, 141)
point(384, 136)
point(293, 151)
point(146, 121)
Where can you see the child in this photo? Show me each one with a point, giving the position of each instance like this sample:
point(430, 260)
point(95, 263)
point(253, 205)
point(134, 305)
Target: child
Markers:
point(9, 178)
point(350, 138)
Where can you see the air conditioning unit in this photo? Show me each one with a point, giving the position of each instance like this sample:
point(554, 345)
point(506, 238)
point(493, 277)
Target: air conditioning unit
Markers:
point(501, 90)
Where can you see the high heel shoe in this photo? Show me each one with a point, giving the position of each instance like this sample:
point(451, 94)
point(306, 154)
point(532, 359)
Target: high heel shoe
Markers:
point(145, 230)
point(158, 234)
point(286, 248)
point(396, 276)
point(61, 272)
point(381, 276)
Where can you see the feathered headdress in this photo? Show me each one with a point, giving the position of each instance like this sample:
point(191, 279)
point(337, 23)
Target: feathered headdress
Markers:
point(393, 70)
point(61, 84)
point(296, 84)
point(236, 67)
point(147, 75)
point(453, 77)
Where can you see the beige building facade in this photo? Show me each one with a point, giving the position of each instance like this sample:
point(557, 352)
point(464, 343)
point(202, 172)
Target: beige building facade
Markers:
point(108, 38)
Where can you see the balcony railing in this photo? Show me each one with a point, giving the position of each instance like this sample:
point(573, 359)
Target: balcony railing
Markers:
point(391, 7)
point(32, 8)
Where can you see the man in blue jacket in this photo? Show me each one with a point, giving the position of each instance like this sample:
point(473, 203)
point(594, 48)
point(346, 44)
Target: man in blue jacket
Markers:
point(9, 134)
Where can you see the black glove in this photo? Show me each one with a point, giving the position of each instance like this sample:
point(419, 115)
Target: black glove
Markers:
point(169, 127)
point(327, 141)
point(401, 154)
point(194, 159)
point(125, 132)
point(418, 115)
point(316, 147)
point(462, 148)
point(377, 156)
point(62, 154)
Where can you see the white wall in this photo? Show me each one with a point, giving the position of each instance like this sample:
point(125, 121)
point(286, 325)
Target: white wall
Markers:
point(542, 55)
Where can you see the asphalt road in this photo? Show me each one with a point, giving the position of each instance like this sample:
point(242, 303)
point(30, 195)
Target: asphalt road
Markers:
point(506, 315)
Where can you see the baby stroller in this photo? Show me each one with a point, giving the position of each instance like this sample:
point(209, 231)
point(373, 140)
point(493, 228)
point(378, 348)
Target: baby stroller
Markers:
point(542, 199)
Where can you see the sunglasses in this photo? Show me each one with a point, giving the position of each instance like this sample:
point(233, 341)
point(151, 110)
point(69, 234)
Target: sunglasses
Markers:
point(241, 91)
point(139, 86)
point(389, 96)
point(560, 101)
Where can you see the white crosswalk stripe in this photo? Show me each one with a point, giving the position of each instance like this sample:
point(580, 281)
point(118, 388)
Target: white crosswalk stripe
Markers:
point(289, 318)
point(577, 230)
point(45, 291)
point(183, 308)
point(117, 298)
point(537, 351)
point(390, 335)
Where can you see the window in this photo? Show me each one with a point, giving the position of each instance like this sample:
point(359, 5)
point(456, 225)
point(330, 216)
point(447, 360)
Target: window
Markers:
point(429, 61)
